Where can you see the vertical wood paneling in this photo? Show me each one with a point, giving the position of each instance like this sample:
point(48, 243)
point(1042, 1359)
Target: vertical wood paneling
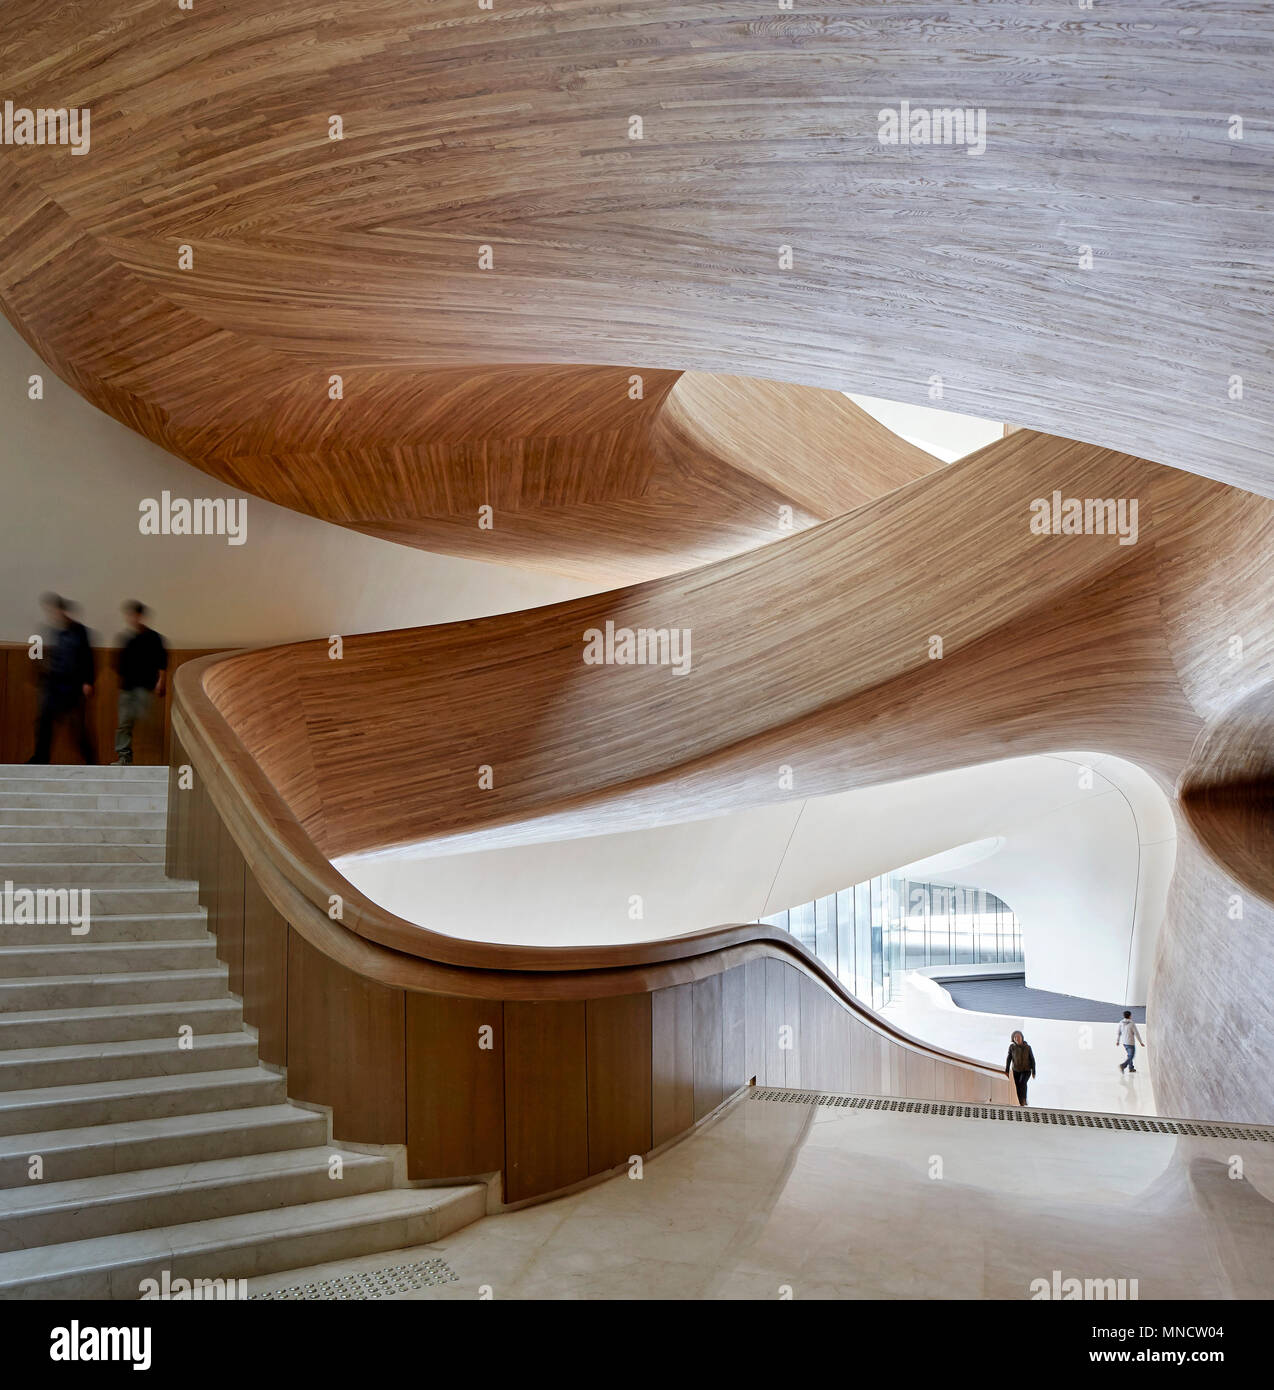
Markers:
point(207, 843)
point(546, 1097)
point(619, 1079)
point(755, 985)
point(455, 1086)
point(175, 828)
point(734, 1025)
point(265, 971)
point(792, 1015)
point(672, 1062)
point(706, 1002)
point(228, 924)
point(775, 1023)
point(346, 1046)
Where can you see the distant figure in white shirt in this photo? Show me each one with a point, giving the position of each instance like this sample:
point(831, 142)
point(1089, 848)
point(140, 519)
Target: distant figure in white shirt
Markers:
point(1128, 1039)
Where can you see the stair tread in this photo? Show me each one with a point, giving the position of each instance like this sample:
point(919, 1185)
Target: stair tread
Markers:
point(91, 1011)
point(164, 884)
point(112, 977)
point(133, 1085)
point(125, 1047)
point(212, 1172)
point(52, 1141)
point(224, 1232)
point(72, 947)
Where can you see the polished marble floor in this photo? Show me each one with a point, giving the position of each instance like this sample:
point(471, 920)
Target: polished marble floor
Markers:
point(781, 1200)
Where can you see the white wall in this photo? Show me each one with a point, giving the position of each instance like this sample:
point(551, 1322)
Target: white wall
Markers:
point(71, 480)
point(1087, 876)
point(1079, 846)
point(945, 434)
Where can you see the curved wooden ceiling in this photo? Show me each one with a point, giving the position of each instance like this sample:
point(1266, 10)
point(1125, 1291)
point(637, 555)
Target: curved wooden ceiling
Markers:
point(466, 128)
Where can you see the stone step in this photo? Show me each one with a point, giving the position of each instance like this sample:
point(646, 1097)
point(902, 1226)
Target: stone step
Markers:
point(173, 895)
point(84, 1208)
point(82, 957)
point(118, 1022)
point(59, 837)
point(159, 926)
point(241, 1246)
point(129, 987)
point(73, 820)
point(60, 850)
point(62, 772)
point(137, 1098)
point(66, 874)
point(80, 786)
point(69, 1064)
point(78, 802)
point(159, 1143)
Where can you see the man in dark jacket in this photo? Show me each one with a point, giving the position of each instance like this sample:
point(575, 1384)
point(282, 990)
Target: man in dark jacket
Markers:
point(142, 664)
point(1021, 1063)
point(66, 681)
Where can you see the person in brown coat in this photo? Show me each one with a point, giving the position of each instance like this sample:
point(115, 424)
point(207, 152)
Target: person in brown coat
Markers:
point(1021, 1064)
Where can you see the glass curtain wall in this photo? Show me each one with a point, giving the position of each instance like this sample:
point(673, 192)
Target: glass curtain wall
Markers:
point(870, 933)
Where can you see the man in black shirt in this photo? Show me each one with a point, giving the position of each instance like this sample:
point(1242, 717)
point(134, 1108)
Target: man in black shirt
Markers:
point(141, 663)
point(66, 681)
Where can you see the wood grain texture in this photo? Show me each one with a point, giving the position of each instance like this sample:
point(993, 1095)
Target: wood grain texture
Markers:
point(346, 1046)
point(1047, 642)
point(619, 1079)
point(672, 1067)
point(265, 972)
point(546, 1123)
point(455, 1086)
point(226, 922)
point(465, 129)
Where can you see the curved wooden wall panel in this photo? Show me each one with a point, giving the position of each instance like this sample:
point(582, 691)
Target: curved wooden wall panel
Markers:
point(1047, 642)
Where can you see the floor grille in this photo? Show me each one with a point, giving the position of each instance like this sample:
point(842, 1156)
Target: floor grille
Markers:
point(372, 1283)
point(1074, 1119)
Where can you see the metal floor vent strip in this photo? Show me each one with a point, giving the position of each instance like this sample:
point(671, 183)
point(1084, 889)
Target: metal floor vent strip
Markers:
point(372, 1283)
point(1074, 1119)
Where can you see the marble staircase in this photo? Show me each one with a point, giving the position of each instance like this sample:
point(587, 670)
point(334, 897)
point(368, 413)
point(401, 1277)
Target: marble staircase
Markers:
point(138, 1130)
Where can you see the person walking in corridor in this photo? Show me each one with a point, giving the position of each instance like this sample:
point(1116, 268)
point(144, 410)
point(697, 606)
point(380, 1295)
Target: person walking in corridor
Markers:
point(1021, 1064)
point(1128, 1038)
point(66, 681)
point(142, 664)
